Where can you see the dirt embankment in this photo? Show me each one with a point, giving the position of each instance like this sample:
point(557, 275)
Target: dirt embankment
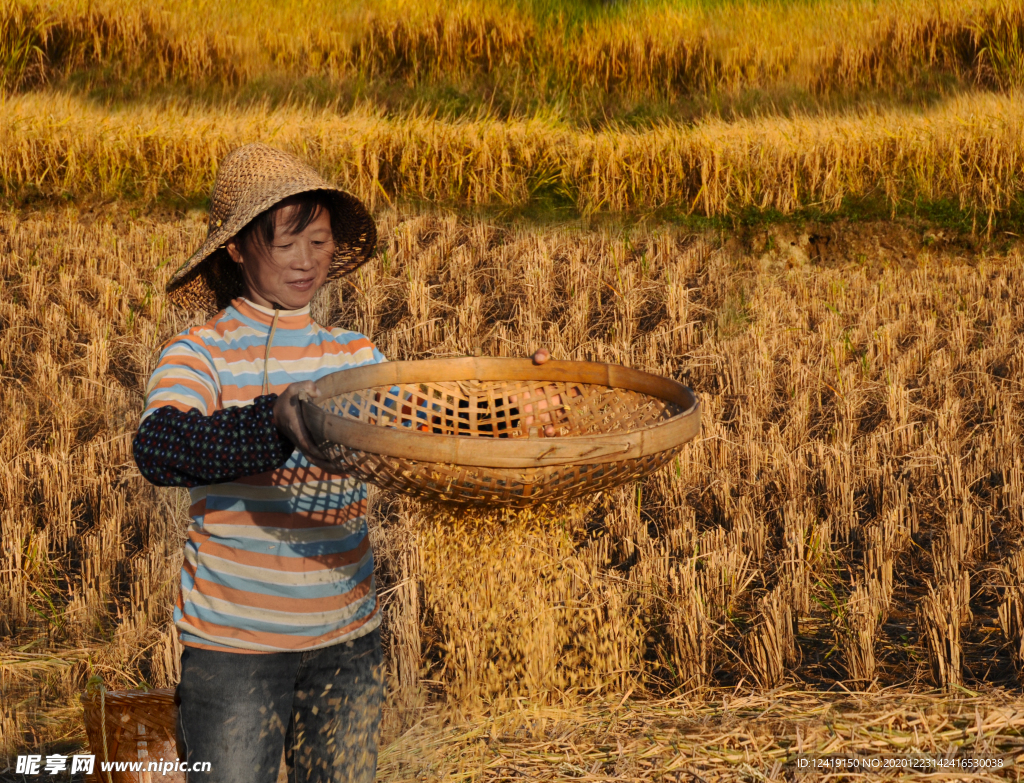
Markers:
point(864, 243)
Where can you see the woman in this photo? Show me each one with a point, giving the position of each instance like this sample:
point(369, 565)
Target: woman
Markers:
point(277, 610)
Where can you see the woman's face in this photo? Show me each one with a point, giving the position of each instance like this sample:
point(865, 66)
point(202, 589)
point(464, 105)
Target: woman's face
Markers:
point(287, 272)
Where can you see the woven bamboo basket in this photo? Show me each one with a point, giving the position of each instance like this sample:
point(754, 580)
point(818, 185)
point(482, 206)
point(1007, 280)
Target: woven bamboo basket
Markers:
point(132, 726)
point(470, 431)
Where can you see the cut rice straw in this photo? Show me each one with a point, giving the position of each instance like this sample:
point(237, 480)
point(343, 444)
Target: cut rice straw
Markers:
point(725, 737)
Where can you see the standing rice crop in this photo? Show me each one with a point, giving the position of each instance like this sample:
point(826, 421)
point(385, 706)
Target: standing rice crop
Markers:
point(967, 153)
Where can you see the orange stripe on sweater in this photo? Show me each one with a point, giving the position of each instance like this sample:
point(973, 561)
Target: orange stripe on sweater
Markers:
point(285, 521)
point(284, 564)
point(289, 353)
point(282, 604)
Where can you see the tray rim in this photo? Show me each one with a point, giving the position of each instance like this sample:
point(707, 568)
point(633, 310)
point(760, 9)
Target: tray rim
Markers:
point(521, 453)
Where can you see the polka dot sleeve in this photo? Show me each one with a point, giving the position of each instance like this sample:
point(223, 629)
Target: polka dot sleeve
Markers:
point(175, 448)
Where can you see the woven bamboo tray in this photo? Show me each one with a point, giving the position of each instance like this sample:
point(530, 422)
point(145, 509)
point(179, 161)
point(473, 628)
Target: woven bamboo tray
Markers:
point(135, 726)
point(470, 431)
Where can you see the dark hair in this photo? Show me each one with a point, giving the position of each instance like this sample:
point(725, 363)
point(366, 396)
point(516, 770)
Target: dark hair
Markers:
point(260, 230)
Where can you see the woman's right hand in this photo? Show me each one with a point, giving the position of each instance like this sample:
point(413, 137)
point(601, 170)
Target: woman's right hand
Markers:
point(289, 422)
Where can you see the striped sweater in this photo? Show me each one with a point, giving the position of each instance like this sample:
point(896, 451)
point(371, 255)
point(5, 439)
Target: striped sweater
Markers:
point(279, 560)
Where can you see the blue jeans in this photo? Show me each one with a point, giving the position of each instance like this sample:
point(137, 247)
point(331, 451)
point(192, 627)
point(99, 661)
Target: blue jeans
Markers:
point(322, 707)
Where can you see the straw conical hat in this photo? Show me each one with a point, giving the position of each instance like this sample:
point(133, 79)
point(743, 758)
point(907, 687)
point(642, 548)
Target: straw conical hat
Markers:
point(251, 180)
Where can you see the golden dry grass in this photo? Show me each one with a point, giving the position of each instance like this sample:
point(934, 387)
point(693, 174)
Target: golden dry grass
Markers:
point(852, 512)
point(965, 152)
point(559, 55)
point(89, 551)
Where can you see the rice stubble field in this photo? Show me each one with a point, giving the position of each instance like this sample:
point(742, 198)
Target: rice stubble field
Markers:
point(851, 513)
